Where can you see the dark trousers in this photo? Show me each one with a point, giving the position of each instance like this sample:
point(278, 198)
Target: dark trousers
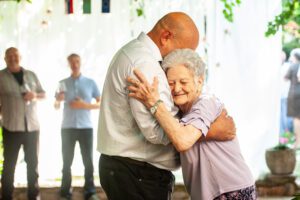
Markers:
point(12, 142)
point(85, 138)
point(123, 178)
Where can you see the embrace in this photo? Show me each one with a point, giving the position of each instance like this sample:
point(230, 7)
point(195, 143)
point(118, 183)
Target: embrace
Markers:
point(143, 126)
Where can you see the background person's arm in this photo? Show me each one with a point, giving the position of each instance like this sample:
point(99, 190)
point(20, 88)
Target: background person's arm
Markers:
point(80, 104)
point(289, 73)
point(38, 93)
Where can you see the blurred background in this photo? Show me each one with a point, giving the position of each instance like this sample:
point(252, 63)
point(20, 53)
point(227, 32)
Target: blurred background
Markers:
point(241, 41)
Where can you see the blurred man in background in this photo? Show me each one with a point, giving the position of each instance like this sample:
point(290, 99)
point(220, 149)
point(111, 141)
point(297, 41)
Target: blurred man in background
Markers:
point(77, 92)
point(293, 110)
point(19, 91)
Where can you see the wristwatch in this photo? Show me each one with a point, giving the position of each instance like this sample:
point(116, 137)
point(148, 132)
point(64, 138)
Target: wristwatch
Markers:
point(153, 109)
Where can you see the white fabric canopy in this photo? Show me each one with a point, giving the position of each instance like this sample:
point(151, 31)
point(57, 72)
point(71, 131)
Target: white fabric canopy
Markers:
point(243, 64)
point(244, 71)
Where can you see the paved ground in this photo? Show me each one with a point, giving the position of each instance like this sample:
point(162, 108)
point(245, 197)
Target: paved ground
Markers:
point(52, 194)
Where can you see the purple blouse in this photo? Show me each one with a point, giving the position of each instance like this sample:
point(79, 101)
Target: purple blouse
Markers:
point(212, 168)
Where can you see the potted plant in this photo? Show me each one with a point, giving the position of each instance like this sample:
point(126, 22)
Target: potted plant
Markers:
point(281, 159)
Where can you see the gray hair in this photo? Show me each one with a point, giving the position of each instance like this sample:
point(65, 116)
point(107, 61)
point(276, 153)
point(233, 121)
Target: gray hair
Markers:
point(295, 53)
point(187, 57)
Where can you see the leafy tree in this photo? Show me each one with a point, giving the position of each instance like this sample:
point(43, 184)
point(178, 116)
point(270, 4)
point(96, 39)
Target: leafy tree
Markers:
point(290, 12)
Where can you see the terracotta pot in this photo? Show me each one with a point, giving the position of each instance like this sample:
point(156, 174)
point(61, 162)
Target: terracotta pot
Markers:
point(281, 162)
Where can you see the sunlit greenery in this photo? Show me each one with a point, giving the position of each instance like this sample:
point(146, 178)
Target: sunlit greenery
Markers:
point(228, 8)
point(29, 1)
point(290, 13)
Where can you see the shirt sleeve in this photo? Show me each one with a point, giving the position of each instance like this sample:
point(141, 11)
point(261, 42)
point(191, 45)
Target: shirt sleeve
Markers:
point(203, 113)
point(148, 125)
point(38, 86)
point(96, 91)
point(289, 73)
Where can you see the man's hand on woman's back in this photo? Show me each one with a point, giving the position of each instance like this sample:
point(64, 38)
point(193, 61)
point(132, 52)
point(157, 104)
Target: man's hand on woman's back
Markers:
point(222, 129)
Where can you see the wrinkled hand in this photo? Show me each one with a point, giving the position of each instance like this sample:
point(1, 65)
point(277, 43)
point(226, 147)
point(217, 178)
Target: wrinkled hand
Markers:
point(29, 96)
point(222, 129)
point(60, 96)
point(78, 103)
point(141, 90)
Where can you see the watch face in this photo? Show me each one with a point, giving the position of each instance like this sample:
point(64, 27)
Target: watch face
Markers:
point(152, 110)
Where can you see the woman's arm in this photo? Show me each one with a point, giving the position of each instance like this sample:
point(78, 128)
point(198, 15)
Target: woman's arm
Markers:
point(182, 137)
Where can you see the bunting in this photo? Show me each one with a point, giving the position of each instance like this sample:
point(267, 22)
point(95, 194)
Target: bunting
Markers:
point(105, 6)
point(69, 6)
point(87, 6)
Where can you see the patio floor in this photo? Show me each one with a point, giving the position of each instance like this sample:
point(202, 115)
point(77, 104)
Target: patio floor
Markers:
point(52, 194)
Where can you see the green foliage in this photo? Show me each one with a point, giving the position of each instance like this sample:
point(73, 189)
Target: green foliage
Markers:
point(227, 11)
point(290, 12)
point(29, 1)
point(140, 9)
point(281, 147)
point(296, 196)
point(228, 8)
point(139, 12)
point(288, 47)
point(286, 140)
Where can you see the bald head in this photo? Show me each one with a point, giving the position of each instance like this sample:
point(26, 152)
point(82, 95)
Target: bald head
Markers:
point(175, 30)
point(12, 59)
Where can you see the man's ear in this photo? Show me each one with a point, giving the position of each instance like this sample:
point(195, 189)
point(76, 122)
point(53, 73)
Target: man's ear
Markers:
point(165, 36)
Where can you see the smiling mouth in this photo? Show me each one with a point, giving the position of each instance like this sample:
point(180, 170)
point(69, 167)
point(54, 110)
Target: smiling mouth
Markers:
point(178, 95)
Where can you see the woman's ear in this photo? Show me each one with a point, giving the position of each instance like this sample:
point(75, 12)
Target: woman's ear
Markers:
point(201, 80)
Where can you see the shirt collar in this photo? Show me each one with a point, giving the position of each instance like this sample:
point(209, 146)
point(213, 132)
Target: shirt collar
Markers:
point(78, 78)
point(144, 38)
point(8, 71)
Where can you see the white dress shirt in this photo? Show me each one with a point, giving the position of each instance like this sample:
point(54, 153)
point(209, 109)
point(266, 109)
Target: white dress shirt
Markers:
point(126, 127)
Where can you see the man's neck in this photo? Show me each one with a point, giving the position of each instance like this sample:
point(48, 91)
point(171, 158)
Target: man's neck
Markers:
point(75, 75)
point(14, 69)
point(155, 39)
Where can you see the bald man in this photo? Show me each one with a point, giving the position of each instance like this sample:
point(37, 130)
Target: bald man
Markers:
point(136, 155)
point(19, 91)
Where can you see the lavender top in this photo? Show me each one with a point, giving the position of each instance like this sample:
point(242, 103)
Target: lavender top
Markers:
point(212, 168)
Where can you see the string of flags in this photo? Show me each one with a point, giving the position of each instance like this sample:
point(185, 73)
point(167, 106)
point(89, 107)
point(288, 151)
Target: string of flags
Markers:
point(87, 6)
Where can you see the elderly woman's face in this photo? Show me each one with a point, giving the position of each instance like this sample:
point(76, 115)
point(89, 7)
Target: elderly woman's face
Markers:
point(182, 84)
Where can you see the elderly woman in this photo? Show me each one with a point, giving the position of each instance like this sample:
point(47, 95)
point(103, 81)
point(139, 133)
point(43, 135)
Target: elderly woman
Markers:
point(211, 170)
